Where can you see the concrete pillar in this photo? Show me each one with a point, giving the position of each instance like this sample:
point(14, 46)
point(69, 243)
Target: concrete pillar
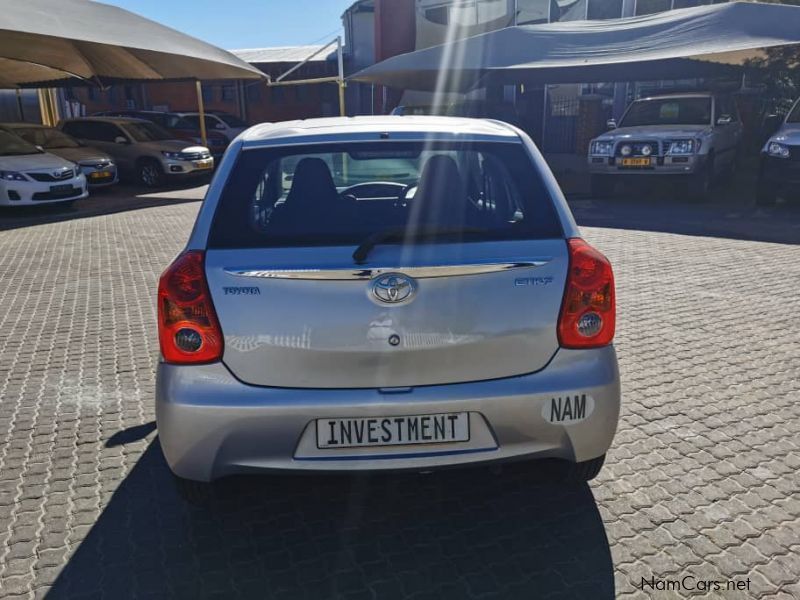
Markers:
point(591, 121)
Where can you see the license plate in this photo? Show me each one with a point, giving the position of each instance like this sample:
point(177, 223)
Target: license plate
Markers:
point(61, 188)
point(635, 162)
point(393, 431)
point(203, 164)
point(99, 174)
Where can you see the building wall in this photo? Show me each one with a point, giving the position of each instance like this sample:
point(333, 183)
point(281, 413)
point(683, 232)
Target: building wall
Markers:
point(252, 101)
point(11, 103)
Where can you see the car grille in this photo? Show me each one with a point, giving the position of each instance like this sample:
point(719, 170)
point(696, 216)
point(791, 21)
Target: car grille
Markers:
point(97, 165)
point(61, 176)
point(637, 148)
point(60, 195)
point(195, 155)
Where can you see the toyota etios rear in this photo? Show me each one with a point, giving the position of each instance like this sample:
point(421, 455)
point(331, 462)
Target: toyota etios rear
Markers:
point(385, 293)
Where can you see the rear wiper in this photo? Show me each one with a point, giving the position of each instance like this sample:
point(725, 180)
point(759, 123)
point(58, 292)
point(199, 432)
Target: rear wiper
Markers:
point(399, 234)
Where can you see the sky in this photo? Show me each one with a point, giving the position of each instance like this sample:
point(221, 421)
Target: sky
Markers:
point(234, 24)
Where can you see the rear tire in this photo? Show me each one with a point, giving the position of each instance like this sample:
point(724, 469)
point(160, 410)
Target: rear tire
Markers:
point(149, 173)
point(602, 186)
point(584, 471)
point(766, 195)
point(195, 493)
point(701, 184)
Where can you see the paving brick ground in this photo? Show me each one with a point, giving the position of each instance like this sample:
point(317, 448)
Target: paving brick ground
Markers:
point(702, 479)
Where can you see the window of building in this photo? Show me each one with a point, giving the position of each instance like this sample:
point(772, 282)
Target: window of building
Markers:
point(208, 93)
point(229, 93)
point(648, 7)
point(439, 15)
point(466, 12)
point(253, 92)
point(689, 3)
point(604, 9)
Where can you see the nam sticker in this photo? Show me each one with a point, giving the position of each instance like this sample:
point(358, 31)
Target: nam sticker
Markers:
point(568, 410)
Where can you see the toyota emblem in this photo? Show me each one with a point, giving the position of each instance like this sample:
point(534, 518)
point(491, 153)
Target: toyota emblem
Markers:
point(393, 288)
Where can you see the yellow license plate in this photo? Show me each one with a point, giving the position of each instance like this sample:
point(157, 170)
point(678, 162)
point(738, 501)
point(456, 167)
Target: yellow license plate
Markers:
point(203, 164)
point(99, 175)
point(635, 162)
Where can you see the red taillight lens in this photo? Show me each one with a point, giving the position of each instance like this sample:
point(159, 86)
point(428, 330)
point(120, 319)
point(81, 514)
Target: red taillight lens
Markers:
point(188, 329)
point(588, 314)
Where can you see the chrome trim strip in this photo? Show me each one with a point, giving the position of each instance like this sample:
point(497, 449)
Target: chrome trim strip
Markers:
point(420, 272)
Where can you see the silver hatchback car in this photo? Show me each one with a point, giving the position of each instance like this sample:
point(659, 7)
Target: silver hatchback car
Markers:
point(385, 293)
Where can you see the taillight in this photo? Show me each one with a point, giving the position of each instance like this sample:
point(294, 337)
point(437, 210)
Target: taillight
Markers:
point(188, 330)
point(588, 314)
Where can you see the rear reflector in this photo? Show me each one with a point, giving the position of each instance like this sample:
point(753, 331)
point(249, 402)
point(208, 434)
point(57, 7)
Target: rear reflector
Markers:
point(588, 314)
point(188, 329)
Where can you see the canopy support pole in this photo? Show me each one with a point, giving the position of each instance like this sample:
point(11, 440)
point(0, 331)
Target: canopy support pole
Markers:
point(341, 82)
point(20, 107)
point(48, 106)
point(201, 110)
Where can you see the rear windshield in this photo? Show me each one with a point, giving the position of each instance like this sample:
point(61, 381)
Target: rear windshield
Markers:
point(341, 194)
point(669, 111)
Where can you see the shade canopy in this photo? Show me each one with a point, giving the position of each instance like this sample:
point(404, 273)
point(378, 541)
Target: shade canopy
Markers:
point(678, 44)
point(56, 41)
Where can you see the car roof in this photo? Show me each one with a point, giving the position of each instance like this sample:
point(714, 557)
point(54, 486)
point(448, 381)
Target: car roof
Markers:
point(18, 125)
point(678, 95)
point(377, 127)
point(116, 120)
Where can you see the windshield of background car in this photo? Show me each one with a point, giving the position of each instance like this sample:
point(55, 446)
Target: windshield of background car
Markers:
point(668, 111)
point(47, 138)
point(340, 194)
point(145, 131)
point(794, 116)
point(232, 121)
point(13, 145)
point(194, 120)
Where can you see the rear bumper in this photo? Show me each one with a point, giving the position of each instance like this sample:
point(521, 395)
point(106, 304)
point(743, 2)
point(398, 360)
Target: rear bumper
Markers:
point(211, 425)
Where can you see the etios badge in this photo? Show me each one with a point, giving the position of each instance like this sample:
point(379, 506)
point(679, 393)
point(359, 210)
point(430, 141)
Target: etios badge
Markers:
point(393, 288)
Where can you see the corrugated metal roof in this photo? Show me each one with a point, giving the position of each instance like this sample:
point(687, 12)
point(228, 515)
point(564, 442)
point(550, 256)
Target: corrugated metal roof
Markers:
point(283, 54)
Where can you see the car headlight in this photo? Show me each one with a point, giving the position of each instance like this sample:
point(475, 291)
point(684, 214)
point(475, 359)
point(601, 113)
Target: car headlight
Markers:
point(682, 147)
point(778, 150)
point(12, 176)
point(601, 148)
point(172, 155)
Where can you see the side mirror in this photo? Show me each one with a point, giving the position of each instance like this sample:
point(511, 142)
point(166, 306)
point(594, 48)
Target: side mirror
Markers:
point(120, 140)
point(611, 123)
point(39, 148)
point(724, 120)
point(771, 124)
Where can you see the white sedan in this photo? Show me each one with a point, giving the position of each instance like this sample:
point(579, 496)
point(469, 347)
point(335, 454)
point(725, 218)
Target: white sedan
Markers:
point(31, 176)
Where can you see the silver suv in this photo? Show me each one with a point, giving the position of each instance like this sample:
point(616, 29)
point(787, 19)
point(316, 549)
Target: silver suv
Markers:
point(696, 136)
point(142, 149)
point(384, 293)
